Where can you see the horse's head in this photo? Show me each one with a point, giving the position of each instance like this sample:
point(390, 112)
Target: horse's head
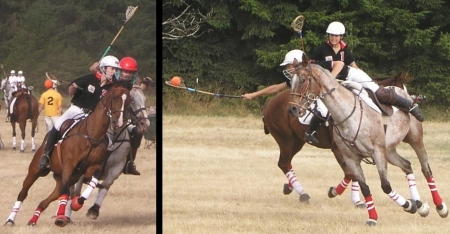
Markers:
point(138, 108)
point(304, 89)
point(115, 102)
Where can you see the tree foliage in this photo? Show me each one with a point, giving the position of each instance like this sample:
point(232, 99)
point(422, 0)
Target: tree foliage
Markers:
point(247, 40)
point(66, 37)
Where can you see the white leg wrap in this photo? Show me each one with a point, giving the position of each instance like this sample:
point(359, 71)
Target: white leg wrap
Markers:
point(355, 192)
point(397, 198)
point(292, 178)
point(413, 187)
point(14, 210)
point(92, 184)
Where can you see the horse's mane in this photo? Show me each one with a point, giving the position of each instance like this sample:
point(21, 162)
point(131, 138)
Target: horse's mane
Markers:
point(123, 83)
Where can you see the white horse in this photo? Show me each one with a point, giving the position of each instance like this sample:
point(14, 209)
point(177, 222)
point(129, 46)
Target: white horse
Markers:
point(119, 149)
point(360, 133)
point(7, 94)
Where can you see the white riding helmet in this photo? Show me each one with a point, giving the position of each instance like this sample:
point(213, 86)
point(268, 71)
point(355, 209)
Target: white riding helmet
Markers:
point(20, 73)
point(109, 61)
point(336, 28)
point(291, 55)
point(13, 72)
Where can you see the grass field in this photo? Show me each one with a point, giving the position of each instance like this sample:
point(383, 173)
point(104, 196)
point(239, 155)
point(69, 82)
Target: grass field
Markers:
point(129, 207)
point(220, 175)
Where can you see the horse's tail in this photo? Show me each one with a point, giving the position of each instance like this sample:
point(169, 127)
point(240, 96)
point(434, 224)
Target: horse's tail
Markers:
point(403, 77)
point(266, 131)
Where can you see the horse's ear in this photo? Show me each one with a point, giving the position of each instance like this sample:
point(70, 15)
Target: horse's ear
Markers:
point(304, 60)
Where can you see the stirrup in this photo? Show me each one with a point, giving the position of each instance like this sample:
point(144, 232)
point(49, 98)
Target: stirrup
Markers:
point(310, 138)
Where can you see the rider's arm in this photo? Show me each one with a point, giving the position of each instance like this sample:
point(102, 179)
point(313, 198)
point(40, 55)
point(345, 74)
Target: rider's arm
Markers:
point(268, 90)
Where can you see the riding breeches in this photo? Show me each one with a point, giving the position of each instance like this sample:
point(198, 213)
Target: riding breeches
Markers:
point(74, 112)
point(359, 76)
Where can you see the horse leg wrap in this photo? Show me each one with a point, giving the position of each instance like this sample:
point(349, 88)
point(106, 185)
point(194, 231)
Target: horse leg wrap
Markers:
point(397, 198)
point(437, 200)
point(413, 187)
point(14, 210)
point(355, 193)
point(87, 192)
point(36, 215)
point(371, 208)
point(295, 184)
point(340, 188)
point(62, 204)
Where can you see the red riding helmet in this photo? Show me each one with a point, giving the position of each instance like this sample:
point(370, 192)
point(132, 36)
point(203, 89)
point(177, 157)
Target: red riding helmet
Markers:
point(48, 84)
point(128, 64)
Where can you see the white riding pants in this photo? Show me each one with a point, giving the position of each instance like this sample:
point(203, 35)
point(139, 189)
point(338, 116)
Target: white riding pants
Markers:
point(71, 113)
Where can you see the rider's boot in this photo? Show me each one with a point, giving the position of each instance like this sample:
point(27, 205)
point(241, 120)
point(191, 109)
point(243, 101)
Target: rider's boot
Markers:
point(51, 141)
point(390, 97)
point(313, 125)
point(135, 142)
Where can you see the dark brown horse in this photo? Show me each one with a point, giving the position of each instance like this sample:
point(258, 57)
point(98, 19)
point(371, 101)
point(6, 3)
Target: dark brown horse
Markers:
point(24, 107)
point(81, 153)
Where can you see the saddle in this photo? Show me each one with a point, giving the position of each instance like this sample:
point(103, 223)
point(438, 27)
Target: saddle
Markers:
point(357, 88)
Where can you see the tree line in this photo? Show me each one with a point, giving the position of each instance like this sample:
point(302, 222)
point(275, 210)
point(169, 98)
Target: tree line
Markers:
point(66, 37)
point(242, 43)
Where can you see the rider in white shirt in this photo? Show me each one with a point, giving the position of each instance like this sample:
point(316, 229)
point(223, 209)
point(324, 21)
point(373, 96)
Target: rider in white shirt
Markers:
point(13, 80)
point(20, 79)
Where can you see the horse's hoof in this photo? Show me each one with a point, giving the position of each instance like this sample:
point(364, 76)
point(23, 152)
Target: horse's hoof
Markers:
point(93, 212)
point(423, 208)
point(61, 221)
point(9, 222)
point(442, 210)
point(332, 192)
point(371, 222)
point(14, 148)
point(21, 151)
point(32, 224)
point(410, 206)
point(304, 198)
point(360, 205)
point(75, 205)
point(287, 189)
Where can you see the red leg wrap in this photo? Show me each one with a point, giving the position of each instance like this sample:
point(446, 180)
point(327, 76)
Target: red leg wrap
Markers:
point(434, 192)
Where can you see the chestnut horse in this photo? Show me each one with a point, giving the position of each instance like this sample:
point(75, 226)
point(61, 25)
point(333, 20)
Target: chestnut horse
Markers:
point(289, 133)
point(360, 132)
point(81, 153)
point(24, 106)
point(119, 149)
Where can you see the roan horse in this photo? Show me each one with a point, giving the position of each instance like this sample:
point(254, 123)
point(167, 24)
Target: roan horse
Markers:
point(6, 89)
point(289, 134)
point(119, 149)
point(81, 153)
point(24, 106)
point(359, 133)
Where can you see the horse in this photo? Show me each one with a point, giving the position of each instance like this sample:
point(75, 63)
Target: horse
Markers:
point(23, 106)
point(289, 133)
point(120, 148)
point(81, 152)
point(6, 88)
point(359, 133)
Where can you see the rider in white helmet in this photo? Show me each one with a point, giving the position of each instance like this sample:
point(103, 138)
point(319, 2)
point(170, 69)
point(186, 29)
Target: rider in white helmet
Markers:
point(87, 92)
point(20, 80)
point(13, 80)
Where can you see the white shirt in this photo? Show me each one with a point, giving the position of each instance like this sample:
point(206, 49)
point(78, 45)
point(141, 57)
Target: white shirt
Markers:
point(20, 80)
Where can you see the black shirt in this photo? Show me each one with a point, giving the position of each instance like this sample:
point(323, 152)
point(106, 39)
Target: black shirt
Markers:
point(91, 92)
point(324, 52)
point(328, 65)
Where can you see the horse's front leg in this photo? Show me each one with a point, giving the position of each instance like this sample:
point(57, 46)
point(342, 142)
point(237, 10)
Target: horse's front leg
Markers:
point(33, 132)
point(44, 203)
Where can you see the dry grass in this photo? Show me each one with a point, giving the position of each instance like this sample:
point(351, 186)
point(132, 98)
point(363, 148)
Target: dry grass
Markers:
point(129, 207)
point(220, 175)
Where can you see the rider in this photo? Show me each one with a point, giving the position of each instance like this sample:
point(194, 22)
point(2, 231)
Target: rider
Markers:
point(87, 91)
point(20, 79)
point(50, 101)
point(334, 49)
point(128, 71)
point(13, 80)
